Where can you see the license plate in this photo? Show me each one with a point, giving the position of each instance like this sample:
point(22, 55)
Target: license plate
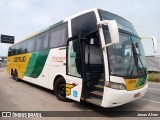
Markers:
point(137, 95)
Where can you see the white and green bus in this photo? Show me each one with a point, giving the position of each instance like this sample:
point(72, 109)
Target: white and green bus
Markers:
point(95, 56)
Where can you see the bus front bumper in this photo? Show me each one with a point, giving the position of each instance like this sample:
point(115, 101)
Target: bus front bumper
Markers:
point(113, 98)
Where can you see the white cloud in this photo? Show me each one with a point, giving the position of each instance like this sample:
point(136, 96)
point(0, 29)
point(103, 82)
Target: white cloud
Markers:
point(18, 5)
point(3, 3)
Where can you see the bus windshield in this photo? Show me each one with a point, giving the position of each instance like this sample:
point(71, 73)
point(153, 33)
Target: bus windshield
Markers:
point(126, 58)
point(122, 23)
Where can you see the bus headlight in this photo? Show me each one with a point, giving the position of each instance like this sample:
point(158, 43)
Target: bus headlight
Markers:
point(118, 86)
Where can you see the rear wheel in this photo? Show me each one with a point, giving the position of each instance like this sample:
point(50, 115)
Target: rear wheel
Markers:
point(60, 90)
point(15, 76)
point(12, 73)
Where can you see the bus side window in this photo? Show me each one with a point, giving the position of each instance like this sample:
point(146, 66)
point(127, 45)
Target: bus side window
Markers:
point(41, 41)
point(10, 51)
point(16, 49)
point(30, 45)
point(25, 48)
point(22, 48)
point(13, 50)
point(58, 36)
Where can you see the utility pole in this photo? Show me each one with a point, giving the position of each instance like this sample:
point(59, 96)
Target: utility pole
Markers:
point(8, 40)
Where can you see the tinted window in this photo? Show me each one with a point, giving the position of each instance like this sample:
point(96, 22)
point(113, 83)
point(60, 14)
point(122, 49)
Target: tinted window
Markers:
point(13, 50)
point(30, 45)
point(122, 23)
point(59, 36)
point(17, 49)
point(10, 52)
point(41, 41)
point(84, 24)
point(22, 47)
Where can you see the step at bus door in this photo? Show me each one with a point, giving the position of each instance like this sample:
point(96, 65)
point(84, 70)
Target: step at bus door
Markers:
point(74, 69)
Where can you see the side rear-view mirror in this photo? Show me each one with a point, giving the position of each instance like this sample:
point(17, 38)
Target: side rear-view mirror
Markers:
point(113, 30)
point(153, 40)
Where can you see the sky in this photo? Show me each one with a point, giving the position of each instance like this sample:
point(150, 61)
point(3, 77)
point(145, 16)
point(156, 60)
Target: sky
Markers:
point(20, 18)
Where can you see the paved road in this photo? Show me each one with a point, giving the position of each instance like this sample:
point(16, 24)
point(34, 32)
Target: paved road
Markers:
point(23, 96)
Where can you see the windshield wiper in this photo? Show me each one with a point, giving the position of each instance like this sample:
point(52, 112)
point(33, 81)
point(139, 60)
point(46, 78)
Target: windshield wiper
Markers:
point(137, 55)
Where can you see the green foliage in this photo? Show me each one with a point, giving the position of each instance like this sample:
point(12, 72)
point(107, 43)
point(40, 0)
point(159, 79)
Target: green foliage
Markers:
point(154, 77)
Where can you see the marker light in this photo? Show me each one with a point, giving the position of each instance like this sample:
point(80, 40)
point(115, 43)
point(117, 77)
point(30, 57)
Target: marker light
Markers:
point(118, 86)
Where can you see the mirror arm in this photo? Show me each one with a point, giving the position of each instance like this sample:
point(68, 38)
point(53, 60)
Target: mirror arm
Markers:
point(113, 29)
point(104, 46)
point(153, 40)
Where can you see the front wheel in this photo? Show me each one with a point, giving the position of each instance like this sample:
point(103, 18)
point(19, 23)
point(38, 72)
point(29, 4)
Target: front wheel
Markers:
point(60, 90)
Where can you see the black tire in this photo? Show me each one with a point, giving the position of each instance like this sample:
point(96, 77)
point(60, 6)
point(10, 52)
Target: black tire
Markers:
point(60, 90)
point(12, 74)
point(15, 76)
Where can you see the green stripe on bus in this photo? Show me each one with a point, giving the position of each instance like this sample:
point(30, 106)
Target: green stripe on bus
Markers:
point(56, 24)
point(141, 81)
point(43, 30)
point(39, 65)
point(52, 26)
point(31, 63)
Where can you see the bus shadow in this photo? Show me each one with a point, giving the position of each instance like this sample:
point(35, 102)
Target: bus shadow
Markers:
point(36, 86)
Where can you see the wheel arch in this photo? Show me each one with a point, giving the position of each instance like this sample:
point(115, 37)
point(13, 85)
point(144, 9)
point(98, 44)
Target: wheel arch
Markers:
point(56, 78)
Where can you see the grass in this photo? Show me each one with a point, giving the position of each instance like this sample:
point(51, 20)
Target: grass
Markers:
point(154, 77)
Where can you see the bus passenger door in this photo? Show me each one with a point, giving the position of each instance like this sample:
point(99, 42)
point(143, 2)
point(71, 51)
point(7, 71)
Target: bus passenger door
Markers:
point(74, 69)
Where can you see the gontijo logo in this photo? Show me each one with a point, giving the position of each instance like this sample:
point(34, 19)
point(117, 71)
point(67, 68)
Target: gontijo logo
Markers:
point(19, 59)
